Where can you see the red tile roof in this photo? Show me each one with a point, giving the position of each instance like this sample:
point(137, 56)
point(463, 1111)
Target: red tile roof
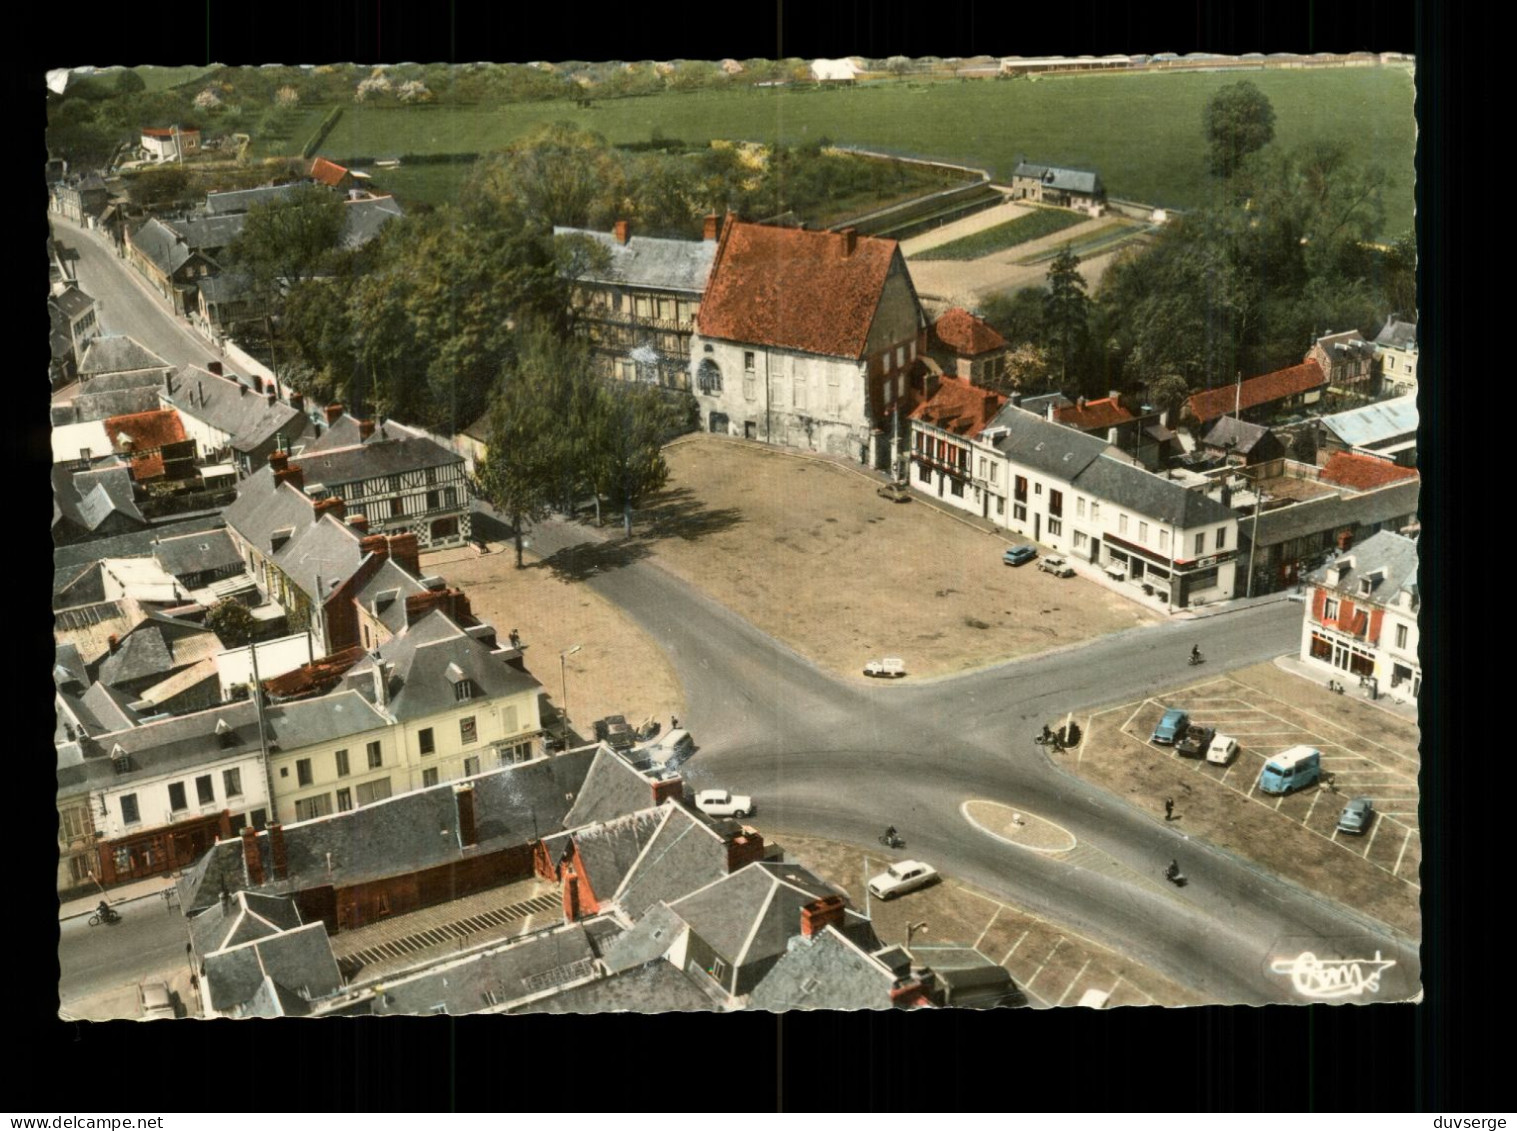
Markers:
point(959, 407)
point(966, 335)
point(148, 433)
point(1256, 391)
point(1363, 473)
point(327, 173)
point(1104, 413)
point(791, 289)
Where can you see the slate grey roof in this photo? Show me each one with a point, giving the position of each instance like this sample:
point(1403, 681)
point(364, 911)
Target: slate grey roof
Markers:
point(681, 266)
point(650, 938)
point(118, 353)
point(612, 789)
point(969, 979)
point(245, 916)
point(1145, 493)
point(224, 288)
point(749, 916)
point(184, 554)
point(1397, 335)
point(345, 434)
point(324, 548)
point(273, 1000)
point(161, 246)
point(306, 722)
point(362, 219)
point(1376, 423)
point(405, 833)
point(684, 854)
point(654, 987)
point(1040, 404)
point(1069, 180)
point(517, 970)
point(181, 742)
point(1242, 435)
point(157, 646)
point(420, 684)
point(332, 467)
point(72, 302)
point(300, 961)
point(246, 416)
point(102, 404)
point(385, 593)
point(608, 849)
point(240, 200)
point(1043, 445)
point(88, 498)
point(208, 233)
point(825, 971)
point(1393, 553)
point(104, 710)
point(79, 584)
point(1333, 512)
point(136, 544)
point(128, 379)
point(68, 666)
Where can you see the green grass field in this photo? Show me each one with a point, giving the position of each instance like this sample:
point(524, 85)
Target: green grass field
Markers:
point(1142, 132)
point(1035, 225)
point(164, 78)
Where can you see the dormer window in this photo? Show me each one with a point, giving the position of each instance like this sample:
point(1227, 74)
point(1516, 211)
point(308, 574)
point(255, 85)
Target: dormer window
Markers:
point(463, 689)
point(280, 537)
point(121, 761)
point(224, 734)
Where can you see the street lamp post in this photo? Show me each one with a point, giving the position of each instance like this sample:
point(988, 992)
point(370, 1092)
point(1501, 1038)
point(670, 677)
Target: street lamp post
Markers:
point(563, 678)
point(911, 930)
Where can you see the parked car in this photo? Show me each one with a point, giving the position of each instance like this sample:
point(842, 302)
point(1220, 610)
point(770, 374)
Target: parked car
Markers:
point(672, 749)
point(1171, 727)
point(896, 492)
point(615, 731)
point(1223, 749)
point(720, 803)
point(154, 1001)
point(1197, 741)
point(1056, 565)
point(1020, 555)
point(901, 877)
point(889, 668)
point(1356, 816)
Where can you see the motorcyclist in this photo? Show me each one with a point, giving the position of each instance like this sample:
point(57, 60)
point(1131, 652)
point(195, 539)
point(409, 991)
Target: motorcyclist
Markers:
point(105, 909)
point(890, 835)
point(1047, 733)
point(1173, 870)
point(1195, 653)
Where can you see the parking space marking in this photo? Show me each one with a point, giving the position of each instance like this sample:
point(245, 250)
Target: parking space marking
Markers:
point(1396, 871)
point(1045, 962)
point(1072, 983)
point(1374, 832)
point(1312, 808)
point(1013, 949)
point(986, 931)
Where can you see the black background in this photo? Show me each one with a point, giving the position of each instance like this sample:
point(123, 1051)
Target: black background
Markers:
point(1438, 1056)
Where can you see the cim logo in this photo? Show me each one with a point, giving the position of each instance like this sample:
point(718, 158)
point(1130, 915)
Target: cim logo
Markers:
point(1326, 979)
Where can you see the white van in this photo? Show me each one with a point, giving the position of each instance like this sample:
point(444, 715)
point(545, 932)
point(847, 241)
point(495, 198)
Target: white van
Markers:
point(672, 749)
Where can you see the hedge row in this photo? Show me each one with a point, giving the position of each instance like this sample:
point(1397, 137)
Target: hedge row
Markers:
point(312, 145)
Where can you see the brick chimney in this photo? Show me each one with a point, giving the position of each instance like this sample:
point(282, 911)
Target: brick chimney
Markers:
point(623, 231)
point(114, 641)
point(820, 914)
point(405, 552)
point(668, 788)
point(334, 411)
point(570, 883)
point(269, 394)
point(279, 461)
point(294, 475)
point(910, 995)
point(359, 522)
point(713, 226)
point(376, 544)
point(744, 849)
point(332, 506)
point(277, 851)
point(992, 403)
point(365, 429)
point(850, 241)
point(467, 836)
point(214, 367)
point(251, 858)
point(257, 382)
point(297, 402)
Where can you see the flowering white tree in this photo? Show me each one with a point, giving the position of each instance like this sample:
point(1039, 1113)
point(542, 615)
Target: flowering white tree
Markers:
point(375, 84)
point(414, 91)
point(286, 96)
point(207, 99)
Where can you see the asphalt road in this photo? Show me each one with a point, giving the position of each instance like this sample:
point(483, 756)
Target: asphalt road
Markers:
point(835, 759)
point(839, 760)
point(149, 941)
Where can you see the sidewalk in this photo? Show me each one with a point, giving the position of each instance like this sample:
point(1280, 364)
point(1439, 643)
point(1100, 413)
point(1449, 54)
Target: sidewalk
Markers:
point(1318, 674)
point(151, 888)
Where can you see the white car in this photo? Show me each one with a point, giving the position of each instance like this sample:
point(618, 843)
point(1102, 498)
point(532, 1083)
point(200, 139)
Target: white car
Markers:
point(720, 803)
point(901, 877)
point(1222, 750)
point(154, 1002)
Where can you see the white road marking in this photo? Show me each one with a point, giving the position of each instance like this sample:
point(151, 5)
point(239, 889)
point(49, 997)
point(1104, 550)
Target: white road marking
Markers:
point(1046, 961)
point(1072, 984)
point(986, 931)
point(1013, 949)
point(1402, 854)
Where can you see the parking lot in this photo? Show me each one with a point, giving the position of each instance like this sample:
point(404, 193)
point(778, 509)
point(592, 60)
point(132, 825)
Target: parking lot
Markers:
point(1365, 753)
point(1051, 965)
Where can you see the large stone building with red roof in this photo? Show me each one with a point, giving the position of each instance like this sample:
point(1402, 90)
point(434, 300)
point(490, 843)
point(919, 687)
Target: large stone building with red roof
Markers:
point(944, 428)
point(806, 339)
point(967, 347)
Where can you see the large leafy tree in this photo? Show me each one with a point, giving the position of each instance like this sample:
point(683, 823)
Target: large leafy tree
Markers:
point(626, 459)
point(1238, 121)
point(285, 241)
point(562, 175)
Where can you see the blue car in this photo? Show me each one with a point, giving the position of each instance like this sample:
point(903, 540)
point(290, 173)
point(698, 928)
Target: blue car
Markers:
point(1172, 727)
point(1020, 555)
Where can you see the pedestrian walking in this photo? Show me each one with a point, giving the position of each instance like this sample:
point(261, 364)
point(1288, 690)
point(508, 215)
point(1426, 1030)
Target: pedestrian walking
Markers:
point(1169, 808)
